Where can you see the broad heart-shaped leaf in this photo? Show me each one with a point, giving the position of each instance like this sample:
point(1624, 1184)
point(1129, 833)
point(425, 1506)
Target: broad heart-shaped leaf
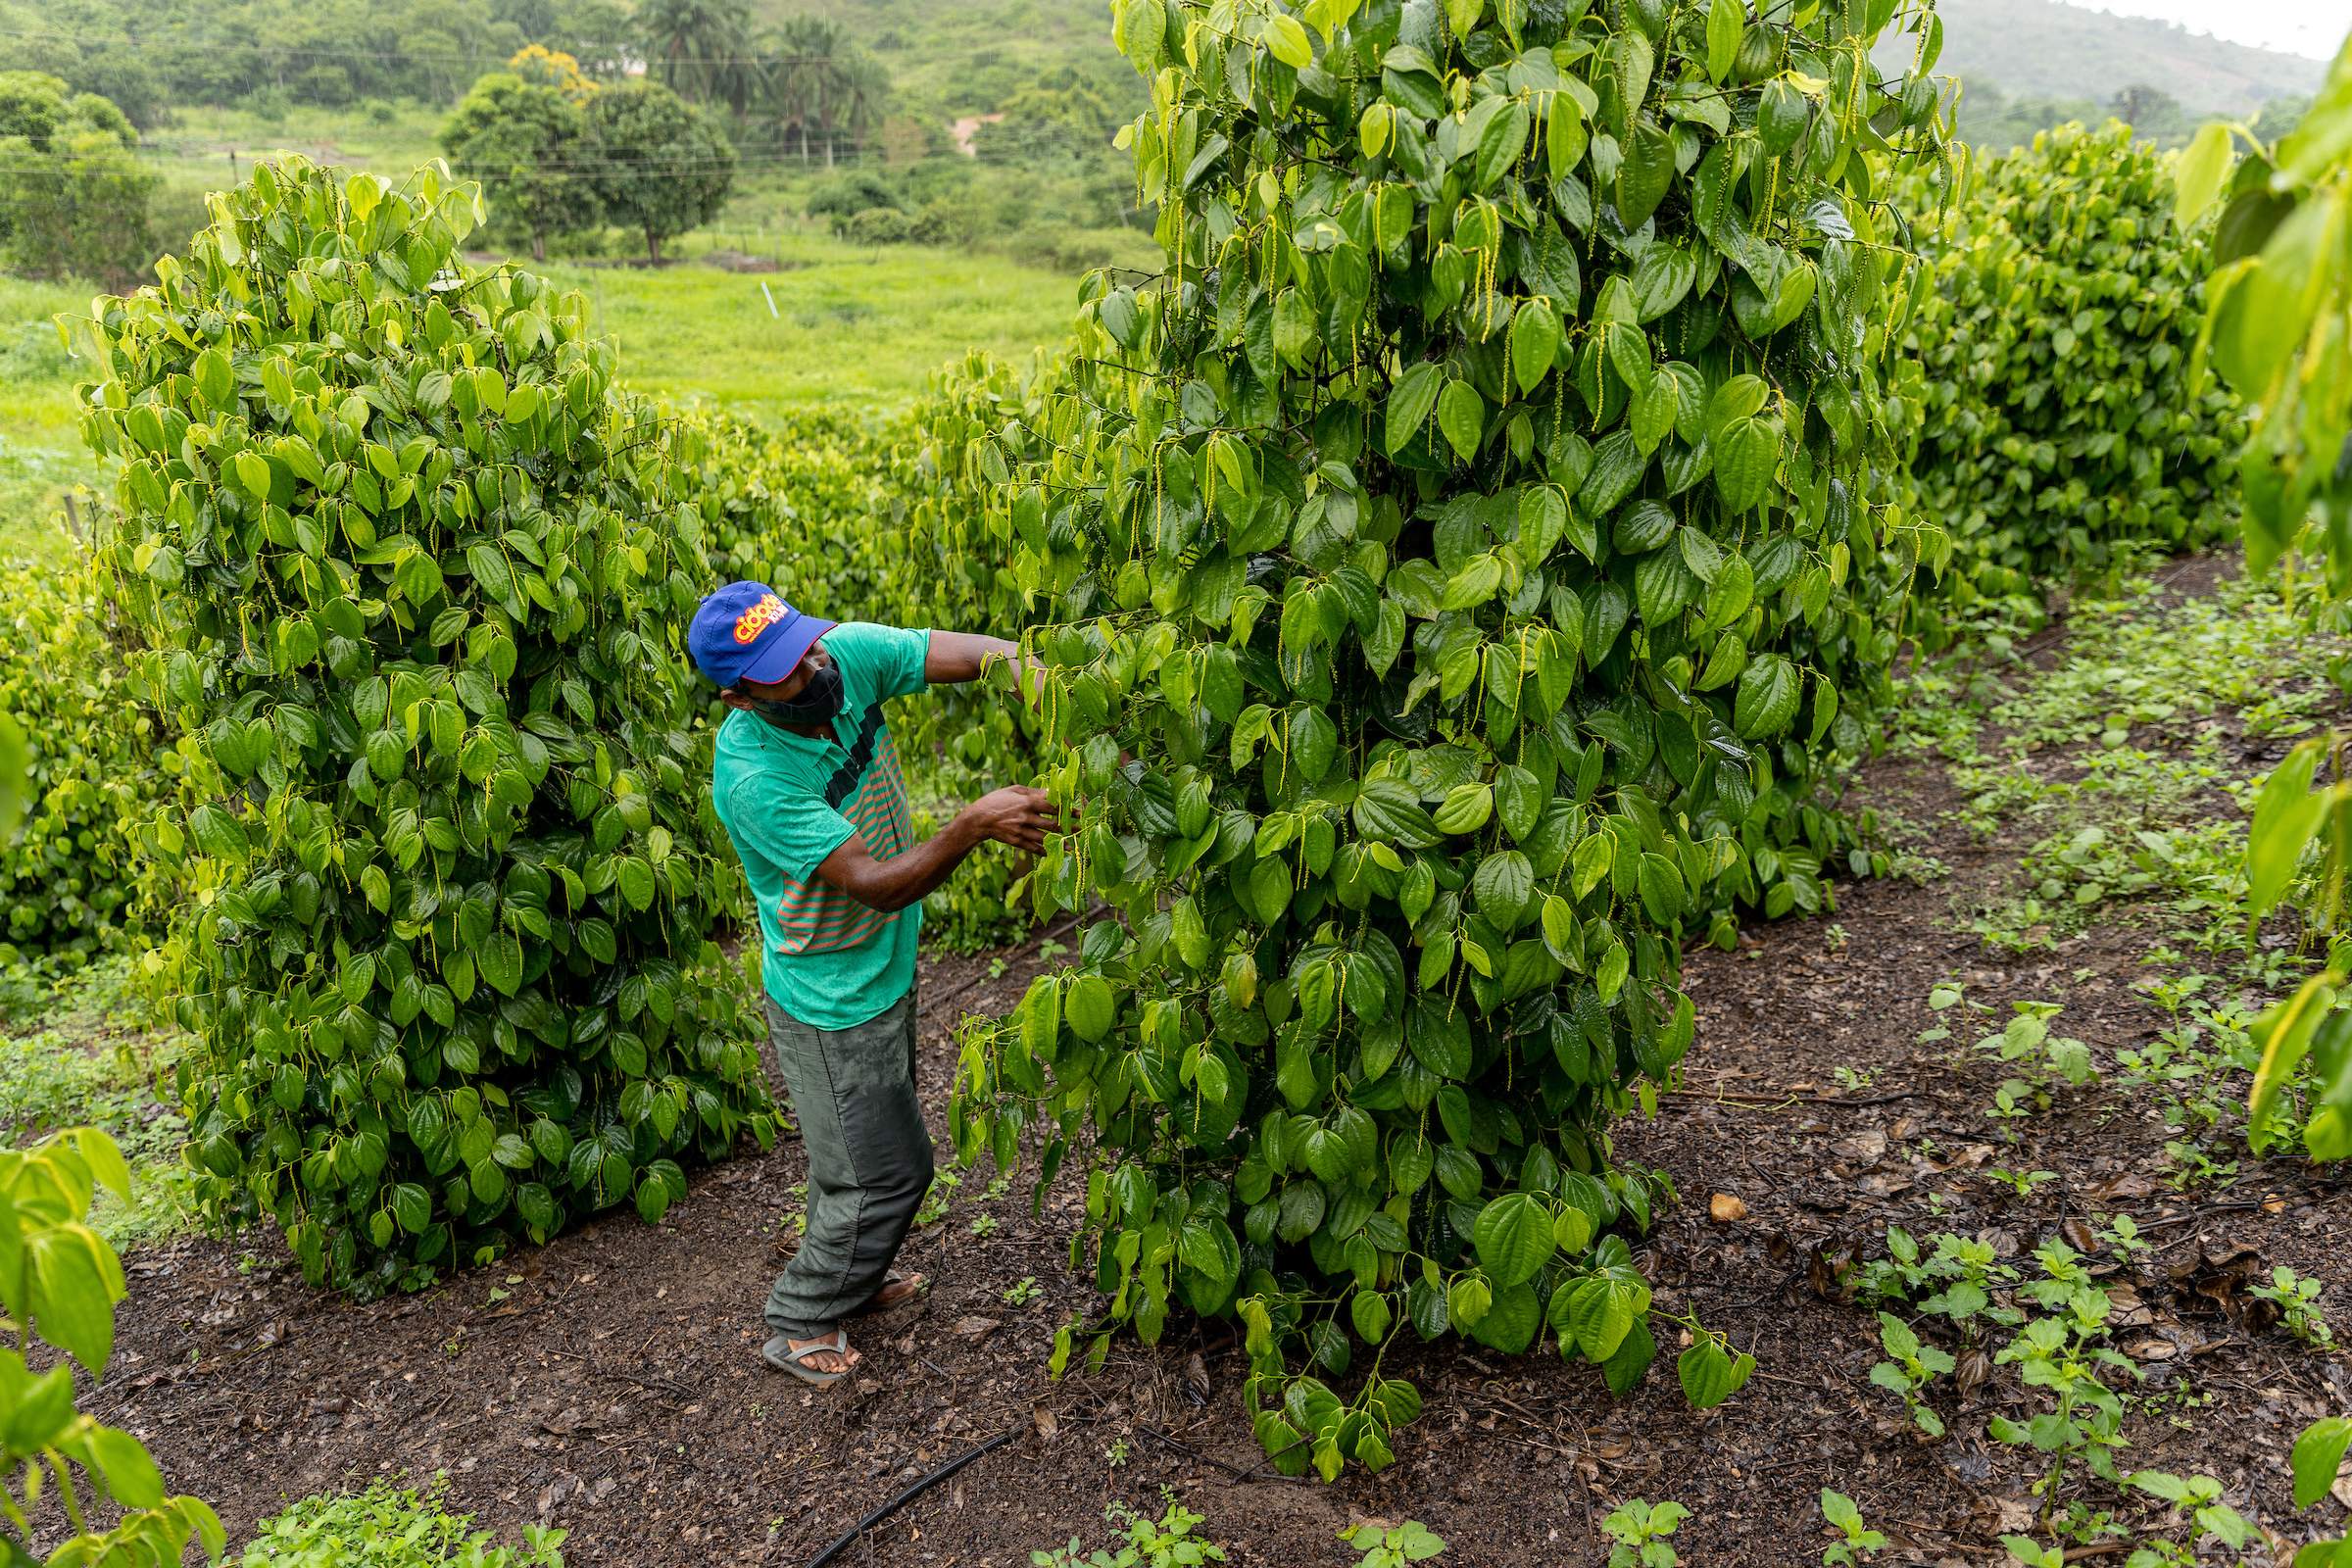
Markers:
point(1726, 25)
point(1499, 144)
point(1462, 416)
point(1598, 1316)
point(1121, 318)
point(1708, 1375)
point(1287, 41)
point(1505, 884)
point(73, 1283)
point(1767, 697)
point(253, 473)
point(1088, 1007)
point(129, 1471)
point(213, 376)
point(1314, 743)
point(1645, 174)
point(1513, 1236)
point(1410, 399)
point(1633, 1353)
point(1510, 1321)
point(2198, 175)
point(1535, 342)
point(2286, 815)
point(1208, 1245)
point(1747, 454)
point(499, 960)
point(2319, 1454)
point(1661, 278)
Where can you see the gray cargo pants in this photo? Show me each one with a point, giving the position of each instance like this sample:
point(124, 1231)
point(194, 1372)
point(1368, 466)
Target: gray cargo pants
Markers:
point(869, 1162)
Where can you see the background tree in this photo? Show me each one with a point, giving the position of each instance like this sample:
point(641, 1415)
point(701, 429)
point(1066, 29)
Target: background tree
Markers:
point(697, 48)
point(1068, 119)
point(661, 166)
point(527, 143)
point(601, 33)
point(72, 194)
point(2153, 114)
point(551, 67)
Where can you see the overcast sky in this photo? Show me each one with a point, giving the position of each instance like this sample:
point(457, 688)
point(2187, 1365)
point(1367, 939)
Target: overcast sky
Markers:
point(2314, 28)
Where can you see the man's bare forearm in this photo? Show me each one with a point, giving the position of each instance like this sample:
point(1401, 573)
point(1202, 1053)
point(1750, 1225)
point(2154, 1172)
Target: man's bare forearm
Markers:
point(956, 657)
point(908, 879)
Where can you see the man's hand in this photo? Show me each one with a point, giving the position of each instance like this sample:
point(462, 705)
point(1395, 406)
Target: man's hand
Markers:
point(1016, 815)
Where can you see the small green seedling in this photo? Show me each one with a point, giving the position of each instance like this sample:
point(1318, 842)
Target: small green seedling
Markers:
point(1640, 1529)
point(1393, 1545)
point(2021, 1182)
point(2038, 1059)
point(1860, 1543)
point(1913, 1367)
point(2296, 1299)
point(2199, 1498)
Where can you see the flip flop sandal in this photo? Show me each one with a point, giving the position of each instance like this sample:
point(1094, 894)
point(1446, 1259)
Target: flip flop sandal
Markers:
point(897, 1290)
point(779, 1354)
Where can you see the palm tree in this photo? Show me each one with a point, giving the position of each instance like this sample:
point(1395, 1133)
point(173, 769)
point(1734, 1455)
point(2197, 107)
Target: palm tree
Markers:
point(697, 47)
point(812, 49)
point(865, 97)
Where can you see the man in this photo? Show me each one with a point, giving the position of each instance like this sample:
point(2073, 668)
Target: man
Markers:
point(807, 782)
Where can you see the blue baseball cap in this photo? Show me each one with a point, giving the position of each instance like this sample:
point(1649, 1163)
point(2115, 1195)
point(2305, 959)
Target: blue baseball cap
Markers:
point(746, 631)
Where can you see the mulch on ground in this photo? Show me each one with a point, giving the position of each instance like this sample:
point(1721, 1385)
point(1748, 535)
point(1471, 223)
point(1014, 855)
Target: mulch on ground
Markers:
point(611, 1384)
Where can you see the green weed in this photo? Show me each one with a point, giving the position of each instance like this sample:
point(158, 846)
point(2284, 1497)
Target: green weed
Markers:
point(1641, 1529)
point(388, 1527)
point(1169, 1542)
point(91, 1066)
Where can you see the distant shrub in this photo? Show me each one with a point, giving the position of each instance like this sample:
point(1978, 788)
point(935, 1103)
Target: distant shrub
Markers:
point(1061, 250)
point(2056, 418)
point(878, 226)
point(946, 223)
point(71, 875)
point(849, 193)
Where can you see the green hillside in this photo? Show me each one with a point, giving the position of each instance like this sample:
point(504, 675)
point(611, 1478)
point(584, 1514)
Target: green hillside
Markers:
point(2044, 49)
point(969, 58)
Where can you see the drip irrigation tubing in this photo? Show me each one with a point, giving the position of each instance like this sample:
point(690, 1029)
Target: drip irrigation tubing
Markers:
point(913, 1490)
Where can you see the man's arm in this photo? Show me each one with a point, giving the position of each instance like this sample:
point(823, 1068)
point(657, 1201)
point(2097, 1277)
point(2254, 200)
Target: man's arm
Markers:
point(956, 657)
point(1016, 815)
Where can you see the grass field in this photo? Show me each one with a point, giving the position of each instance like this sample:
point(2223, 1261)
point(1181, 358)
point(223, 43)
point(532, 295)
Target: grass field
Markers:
point(40, 450)
point(851, 326)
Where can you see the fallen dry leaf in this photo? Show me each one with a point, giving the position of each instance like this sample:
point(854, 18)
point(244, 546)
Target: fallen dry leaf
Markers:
point(1723, 1208)
point(1863, 1146)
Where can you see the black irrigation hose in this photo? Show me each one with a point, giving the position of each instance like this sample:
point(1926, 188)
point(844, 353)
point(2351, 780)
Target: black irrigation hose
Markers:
point(913, 1492)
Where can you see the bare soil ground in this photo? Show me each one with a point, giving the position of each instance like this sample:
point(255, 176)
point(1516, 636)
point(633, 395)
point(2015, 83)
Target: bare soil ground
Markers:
point(610, 1382)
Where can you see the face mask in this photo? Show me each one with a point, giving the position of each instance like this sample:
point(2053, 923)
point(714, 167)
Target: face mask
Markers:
point(818, 703)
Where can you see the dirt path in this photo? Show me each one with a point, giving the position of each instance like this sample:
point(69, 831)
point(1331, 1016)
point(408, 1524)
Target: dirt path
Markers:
point(610, 1383)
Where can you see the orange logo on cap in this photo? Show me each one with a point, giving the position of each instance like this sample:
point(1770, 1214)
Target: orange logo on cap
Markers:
point(756, 619)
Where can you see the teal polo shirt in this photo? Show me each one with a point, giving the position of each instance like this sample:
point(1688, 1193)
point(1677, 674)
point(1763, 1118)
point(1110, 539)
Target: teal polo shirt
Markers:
point(789, 801)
